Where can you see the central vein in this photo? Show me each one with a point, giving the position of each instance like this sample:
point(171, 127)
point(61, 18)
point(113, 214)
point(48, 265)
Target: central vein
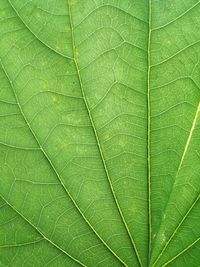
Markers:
point(101, 151)
point(149, 130)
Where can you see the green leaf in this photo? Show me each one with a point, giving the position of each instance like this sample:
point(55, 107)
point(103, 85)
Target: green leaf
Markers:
point(99, 133)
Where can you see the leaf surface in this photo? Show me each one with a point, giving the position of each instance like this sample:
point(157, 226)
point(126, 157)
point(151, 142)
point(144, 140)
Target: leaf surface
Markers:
point(99, 133)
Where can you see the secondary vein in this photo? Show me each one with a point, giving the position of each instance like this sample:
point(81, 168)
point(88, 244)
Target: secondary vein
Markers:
point(36, 36)
point(189, 137)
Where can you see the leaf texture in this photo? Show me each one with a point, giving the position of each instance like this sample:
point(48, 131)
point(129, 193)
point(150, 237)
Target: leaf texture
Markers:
point(99, 133)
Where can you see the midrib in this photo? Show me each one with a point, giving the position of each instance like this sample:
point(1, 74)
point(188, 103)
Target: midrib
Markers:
point(149, 130)
point(101, 150)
